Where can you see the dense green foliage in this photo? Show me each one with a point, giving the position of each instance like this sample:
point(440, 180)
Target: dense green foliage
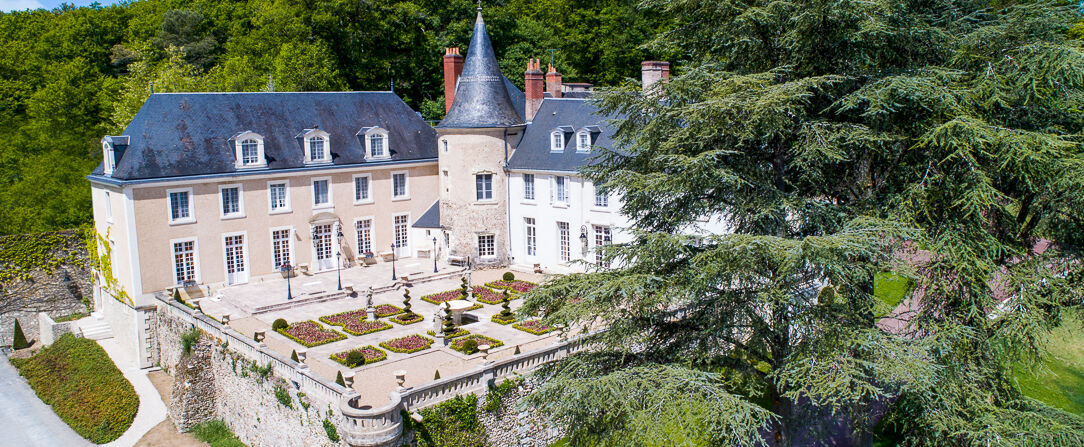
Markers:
point(18, 339)
point(72, 75)
point(76, 377)
point(189, 339)
point(452, 423)
point(332, 432)
point(216, 433)
point(22, 254)
point(283, 396)
point(836, 136)
point(891, 288)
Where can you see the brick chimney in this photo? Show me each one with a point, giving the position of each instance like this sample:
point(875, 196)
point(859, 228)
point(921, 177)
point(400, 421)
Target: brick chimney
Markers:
point(652, 72)
point(553, 82)
point(533, 79)
point(453, 67)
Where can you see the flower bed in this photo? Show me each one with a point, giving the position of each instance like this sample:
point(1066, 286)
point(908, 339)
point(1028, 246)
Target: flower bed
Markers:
point(497, 319)
point(534, 327)
point(489, 296)
point(480, 339)
point(447, 295)
point(404, 320)
point(459, 332)
point(365, 327)
point(387, 310)
point(372, 354)
point(408, 344)
point(353, 322)
point(310, 333)
point(343, 318)
point(512, 286)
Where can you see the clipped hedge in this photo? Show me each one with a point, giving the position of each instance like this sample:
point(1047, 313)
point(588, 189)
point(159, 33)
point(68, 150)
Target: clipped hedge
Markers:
point(371, 354)
point(79, 380)
point(408, 344)
point(405, 319)
point(461, 343)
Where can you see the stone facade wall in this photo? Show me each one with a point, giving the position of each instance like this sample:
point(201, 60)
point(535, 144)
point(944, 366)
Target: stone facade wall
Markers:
point(510, 425)
point(49, 330)
point(57, 293)
point(476, 151)
point(216, 382)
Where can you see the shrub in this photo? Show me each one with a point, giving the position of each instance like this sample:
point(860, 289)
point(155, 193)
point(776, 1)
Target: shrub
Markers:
point(293, 356)
point(19, 342)
point(177, 296)
point(405, 319)
point(501, 319)
point(283, 396)
point(339, 378)
point(188, 340)
point(359, 356)
point(436, 375)
point(508, 276)
point(355, 358)
point(469, 346)
point(332, 433)
point(533, 327)
point(495, 396)
point(280, 324)
point(517, 351)
point(453, 422)
point(470, 343)
point(76, 377)
point(216, 433)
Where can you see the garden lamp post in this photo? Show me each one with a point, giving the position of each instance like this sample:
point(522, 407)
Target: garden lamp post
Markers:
point(583, 240)
point(434, 254)
point(287, 269)
point(338, 256)
point(393, 277)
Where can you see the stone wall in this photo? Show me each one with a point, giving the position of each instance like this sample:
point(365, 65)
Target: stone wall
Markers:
point(59, 292)
point(510, 425)
point(216, 382)
point(49, 330)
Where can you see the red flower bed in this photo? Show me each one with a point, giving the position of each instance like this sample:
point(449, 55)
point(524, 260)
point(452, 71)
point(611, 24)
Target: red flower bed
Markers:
point(353, 322)
point(533, 326)
point(513, 286)
point(310, 333)
point(480, 339)
point(344, 318)
point(405, 319)
point(365, 327)
point(488, 296)
point(387, 310)
point(408, 344)
point(372, 354)
point(441, 297)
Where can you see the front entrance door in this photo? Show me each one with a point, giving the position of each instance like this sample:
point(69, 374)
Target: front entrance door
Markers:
point(235, 260)
point(321, 243)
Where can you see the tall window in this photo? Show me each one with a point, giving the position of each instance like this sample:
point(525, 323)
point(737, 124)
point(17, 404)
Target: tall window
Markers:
point(250, 152)
point(376, 145)
point(557, 141)
point(562, 233)
point(399, 185)
point(365, 235)
point(236, 272)
point(316, 149)
point(320, 194)
point(184, 261)
point(401, 231)
point(231, 201)
point(483, 186)
point(108, 207)
point(602, 237)
point(529, 230)
point(277, 192)
point(602, 198)
point(528, 186)
point(280, 246)
point(583, 142)
point(179, 207)
point(560, 189)
point(361, 188)
point(485, 245)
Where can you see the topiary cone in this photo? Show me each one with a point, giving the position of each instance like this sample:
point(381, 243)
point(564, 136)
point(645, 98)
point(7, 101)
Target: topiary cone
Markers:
point(406, 304)
point(449, 324)
point(293, 355)
point(464, 288)
point(339, 378)
point(19, 340)
point(507, 312)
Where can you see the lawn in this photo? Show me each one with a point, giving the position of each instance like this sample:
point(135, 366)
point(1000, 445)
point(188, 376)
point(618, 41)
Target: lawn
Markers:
point(1060, 383)
point(890, 288)
point(76, 377)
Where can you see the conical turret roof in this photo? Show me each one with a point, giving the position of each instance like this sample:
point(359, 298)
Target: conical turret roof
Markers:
point(481, 97)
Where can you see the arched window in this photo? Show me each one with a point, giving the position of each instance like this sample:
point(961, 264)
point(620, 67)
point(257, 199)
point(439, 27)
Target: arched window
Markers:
point(248, 147)
point(250, 152)
point(583, 141)
point(376, 142)
point(557, 141)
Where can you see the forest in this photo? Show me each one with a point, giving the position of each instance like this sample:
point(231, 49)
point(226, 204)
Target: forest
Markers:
point(72, 75)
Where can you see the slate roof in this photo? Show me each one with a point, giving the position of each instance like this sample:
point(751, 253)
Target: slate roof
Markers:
point(570, 116)
point(482, 93)
point(185, 134)
point(431, 218)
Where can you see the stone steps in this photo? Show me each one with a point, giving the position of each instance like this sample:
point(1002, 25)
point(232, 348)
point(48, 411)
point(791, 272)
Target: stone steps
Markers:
point(95, 329)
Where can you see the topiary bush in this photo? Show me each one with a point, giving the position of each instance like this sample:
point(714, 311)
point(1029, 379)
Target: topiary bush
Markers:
point(436, 374)
point(293, 356)
point(470, 346)
point(355, 358)
point(19, 341)
point(280, 324)
point(339, 378)
point(509, 276)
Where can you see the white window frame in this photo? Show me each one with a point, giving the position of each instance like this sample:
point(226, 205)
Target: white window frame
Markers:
point(289, 246)
point(530, 236)
point(240, 202)
point(406, 186)
point(109, 207)
point(564, 241)
point(580, 145)
point(330, 197)
point(195, 259)
point(109, 163)
point(286, 208)
point(372, 231)
point(239, 162)
point(244, 257)
point(376, 132)
point(368, 188)
point(554, 135)
point(533, 191)
point(601, 193)
point(493, 245)
point(555, 197)
point(492, 194)
point(406, 235)
point(191, 207)
point(308, 149)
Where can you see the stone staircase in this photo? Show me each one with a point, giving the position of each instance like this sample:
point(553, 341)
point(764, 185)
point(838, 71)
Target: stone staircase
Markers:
point(95, 328)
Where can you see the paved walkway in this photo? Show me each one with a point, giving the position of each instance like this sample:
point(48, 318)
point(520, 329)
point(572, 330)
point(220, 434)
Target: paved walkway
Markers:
point(152, 410)
point(28, 422)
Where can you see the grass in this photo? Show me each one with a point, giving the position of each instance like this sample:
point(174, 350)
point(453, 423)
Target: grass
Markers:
point(1060, 381)
point(76, 377)
point(71, 317)
point(890, 288)
point(216, 433)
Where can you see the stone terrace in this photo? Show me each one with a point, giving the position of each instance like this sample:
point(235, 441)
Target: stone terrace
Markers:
point(374, 381)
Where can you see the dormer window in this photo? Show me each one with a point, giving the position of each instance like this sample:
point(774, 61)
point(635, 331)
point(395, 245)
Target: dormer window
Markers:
point(316, 149)
point(557, 141)
point(317, 146)
point(112, 150)
point(583, 141)
point(249, 148)
point(376, 143)
point(108, 162)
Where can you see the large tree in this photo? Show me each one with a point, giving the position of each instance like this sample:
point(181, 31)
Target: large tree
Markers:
point(838, 138)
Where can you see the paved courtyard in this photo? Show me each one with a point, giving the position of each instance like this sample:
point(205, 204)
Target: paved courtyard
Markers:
point(374, 381)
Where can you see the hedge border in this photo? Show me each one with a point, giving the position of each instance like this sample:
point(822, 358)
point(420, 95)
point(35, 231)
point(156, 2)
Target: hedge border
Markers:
point(397, 319)
point(532, 331)
point(459, 332)
point(339, 335)
point(492, 342)
point(342, 361)
point(496, 318)
point(384, 344)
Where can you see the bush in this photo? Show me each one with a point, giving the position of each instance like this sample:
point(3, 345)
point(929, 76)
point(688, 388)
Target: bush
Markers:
point(76, 377)
point(470, 346)
point(436, 375)
point(509, 276)
point(332, 433)
point(355, 358)
point(452, 423)
point(339, 378)
point(216, 433)
point(19, 342)
point(293, 356)
point(188, 340)
point(283, 396)
point(280, 324)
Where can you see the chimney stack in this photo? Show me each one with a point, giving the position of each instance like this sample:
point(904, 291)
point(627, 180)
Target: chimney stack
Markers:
point(652, 72)
point(453, 67)
point(553, 82)
point(533, 79)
